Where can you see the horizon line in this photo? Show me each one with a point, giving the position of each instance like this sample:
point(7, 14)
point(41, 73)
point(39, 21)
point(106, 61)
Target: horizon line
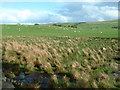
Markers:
point(52, 22)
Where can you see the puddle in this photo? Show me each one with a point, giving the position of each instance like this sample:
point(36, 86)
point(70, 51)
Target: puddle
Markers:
point(44, 80)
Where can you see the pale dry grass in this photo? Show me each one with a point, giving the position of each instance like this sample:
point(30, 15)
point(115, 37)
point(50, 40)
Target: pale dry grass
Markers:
point(57, 56)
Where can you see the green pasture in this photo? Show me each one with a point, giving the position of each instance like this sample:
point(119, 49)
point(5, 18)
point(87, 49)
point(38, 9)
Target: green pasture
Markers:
point(89, 29)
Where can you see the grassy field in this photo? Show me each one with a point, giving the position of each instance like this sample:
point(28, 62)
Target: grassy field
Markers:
point(87, 53)
point(94, 29)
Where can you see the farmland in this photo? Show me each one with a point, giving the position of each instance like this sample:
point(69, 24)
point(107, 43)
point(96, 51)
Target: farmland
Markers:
point(85, 54)
point(90, 29)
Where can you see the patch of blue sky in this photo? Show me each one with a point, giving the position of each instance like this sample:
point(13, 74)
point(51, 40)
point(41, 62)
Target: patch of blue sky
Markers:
point(36, 6)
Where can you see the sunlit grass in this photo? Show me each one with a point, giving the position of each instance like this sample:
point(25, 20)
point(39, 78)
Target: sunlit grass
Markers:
point(71, 56)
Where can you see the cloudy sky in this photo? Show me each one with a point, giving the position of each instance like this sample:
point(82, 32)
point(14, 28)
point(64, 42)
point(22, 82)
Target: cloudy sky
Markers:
point(54, 12)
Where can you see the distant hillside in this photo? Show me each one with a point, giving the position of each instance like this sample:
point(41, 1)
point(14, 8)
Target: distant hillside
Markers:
point(79, 29)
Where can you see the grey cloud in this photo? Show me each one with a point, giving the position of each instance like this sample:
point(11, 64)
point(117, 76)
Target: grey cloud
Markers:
point(70, 12)
point(77, 12)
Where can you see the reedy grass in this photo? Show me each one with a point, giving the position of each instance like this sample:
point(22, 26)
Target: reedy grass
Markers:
point(68, 55)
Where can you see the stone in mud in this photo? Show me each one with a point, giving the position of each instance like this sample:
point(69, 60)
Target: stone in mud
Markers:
point(6, 84)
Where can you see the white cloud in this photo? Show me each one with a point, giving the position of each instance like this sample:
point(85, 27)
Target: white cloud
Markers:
point(89, 12)
point(71, 12)
point(28, 16)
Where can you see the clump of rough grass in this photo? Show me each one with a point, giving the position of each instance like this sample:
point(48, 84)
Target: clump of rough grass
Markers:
point(69, 55)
